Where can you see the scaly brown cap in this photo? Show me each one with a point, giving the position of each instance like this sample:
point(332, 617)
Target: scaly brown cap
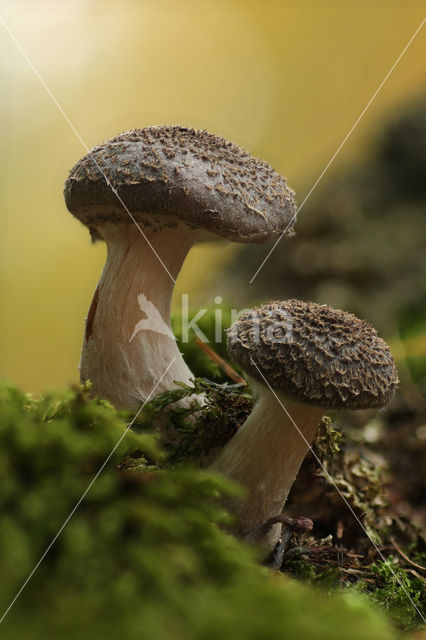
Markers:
point(315, 354)
point(172, 174)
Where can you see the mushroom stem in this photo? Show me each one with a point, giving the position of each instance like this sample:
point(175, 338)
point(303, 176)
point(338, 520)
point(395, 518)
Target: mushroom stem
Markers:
point(128, 336)
point(264, 457)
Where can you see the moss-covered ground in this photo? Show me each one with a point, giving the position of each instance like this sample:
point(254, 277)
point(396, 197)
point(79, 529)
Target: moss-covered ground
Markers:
point(144, 554)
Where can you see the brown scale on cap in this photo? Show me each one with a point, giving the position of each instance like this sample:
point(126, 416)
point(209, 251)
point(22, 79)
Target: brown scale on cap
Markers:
point(326, 357)
point(176, 174)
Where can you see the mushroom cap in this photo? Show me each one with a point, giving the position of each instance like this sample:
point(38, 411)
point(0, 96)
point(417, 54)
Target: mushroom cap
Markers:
point(170, 174)
point(315, 354)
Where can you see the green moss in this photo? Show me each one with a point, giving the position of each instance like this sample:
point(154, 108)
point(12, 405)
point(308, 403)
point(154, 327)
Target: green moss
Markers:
point(402, 594)
point(201, 433)
point(143, 555)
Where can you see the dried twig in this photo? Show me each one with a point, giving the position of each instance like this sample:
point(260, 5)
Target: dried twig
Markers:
point(220, 362)
point(406, 558)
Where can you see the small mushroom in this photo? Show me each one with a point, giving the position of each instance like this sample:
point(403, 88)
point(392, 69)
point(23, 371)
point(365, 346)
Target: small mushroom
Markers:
point(150, 194)
point(308, 359)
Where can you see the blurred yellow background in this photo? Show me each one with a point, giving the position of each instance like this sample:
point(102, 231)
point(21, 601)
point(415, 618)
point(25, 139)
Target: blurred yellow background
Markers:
point(286, 80)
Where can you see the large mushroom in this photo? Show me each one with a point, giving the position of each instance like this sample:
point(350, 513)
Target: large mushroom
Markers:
point(303, 359)
point(150, 194)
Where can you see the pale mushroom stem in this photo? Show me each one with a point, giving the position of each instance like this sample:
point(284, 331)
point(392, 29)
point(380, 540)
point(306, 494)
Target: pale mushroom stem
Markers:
point(128, 341)
point(264, 457)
